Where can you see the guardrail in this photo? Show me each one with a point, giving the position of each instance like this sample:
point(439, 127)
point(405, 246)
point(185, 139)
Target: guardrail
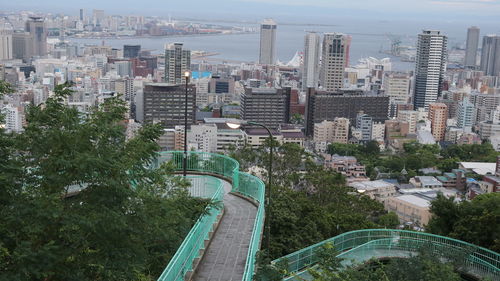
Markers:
point(242, 183)
point(355, 244)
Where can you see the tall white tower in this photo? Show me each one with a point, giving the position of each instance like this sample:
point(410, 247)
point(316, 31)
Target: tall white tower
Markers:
point(310, 71)
point(267, 42)
point(429, 68)
point(5, 44)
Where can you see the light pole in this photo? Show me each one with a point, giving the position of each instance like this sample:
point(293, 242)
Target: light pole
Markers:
point(184, 160)
point(235, 124)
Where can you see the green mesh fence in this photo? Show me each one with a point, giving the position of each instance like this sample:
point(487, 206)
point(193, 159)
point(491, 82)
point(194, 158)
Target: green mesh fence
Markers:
point(242, 183)
point(362, 245)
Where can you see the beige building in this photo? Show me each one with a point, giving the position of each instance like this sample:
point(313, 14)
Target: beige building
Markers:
point(410, 116)
point(410, 208)
point(336, 131)
point(334, 59)
point(438, 115)
point(257, 137)
point(397, 87)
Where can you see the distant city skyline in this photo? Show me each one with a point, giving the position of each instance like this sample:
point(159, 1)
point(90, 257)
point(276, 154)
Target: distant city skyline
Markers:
point(317, 10)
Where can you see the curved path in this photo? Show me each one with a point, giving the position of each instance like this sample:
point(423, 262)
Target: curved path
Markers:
point(226, 255)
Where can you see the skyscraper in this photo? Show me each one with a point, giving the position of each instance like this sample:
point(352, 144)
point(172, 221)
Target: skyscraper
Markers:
point(490, 55)
point(267, 42)
point(310, 72)
point(131, 51)
point(5, 44)
point(81, 14)
point(177, 61)
point(471, 47)
point(97, 17)
point(268, 106)
point(38, 33)
point(429, 68)
point(333, 61)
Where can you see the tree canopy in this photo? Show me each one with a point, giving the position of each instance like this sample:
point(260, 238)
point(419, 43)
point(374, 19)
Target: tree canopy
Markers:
point(68, 210)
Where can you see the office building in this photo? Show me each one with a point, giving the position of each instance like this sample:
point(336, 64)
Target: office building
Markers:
point(310, 71)
point(219, 85)
point(6, 44)
point(397, 87)
point(322, 105)
point(484, 105)
point(35, 26)
point(333, 61)
point(81, 15)
point(164, 103)
point(471, 47)
point(490, 55)
point(268, 106)
point(438, 115)
point(97, 17)
point(131, 51)
point(203, 137)
point(267, 42)
point(430, 67)
point(21, 46)
point(177, 62)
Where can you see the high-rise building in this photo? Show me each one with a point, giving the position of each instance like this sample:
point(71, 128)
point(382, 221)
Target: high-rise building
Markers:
point(165, 103)
point(81, 15)
point(97, 17)
point(471, 47)
point(5, 44)
point(364, 124)
point(430, 67)
point(333, 61)
point(21, 46)
point(310, 71)
point(465, 115)
point(131, 51)
point(38, 36)
point(322, 105)
point(397, 87)
point(267, 42)
point(438, 114)
point(490, 55)
point(177, 62)
point(268, 106)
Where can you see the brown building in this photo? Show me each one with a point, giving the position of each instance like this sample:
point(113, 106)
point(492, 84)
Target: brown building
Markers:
point(438, 114)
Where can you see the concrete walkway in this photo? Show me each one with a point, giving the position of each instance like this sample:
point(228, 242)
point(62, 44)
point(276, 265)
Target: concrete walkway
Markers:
point(225, 258)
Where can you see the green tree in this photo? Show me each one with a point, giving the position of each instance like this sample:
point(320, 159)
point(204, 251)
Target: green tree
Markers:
point(69, 210)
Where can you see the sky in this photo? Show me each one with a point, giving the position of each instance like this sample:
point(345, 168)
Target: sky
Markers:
point(318, 10)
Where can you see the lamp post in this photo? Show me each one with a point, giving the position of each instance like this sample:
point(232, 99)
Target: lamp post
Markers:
point(235, 124)
point(184, 160)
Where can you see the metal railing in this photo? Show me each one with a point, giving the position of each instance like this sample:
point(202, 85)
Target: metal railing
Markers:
point(361, 245)
point(242, 183)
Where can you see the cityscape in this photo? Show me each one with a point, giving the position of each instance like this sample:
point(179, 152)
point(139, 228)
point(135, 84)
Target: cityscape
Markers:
point(176, 147)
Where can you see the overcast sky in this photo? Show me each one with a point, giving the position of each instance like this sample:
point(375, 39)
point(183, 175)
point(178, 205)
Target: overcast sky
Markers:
point(446, 10)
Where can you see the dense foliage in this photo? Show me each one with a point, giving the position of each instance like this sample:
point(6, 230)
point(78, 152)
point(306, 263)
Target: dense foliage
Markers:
point(309, 203)
point(110, 230)
point(476, 221)
point(415, 157)
point(427, 265)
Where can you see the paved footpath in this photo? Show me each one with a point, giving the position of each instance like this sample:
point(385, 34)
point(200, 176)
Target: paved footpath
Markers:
point(225, 258)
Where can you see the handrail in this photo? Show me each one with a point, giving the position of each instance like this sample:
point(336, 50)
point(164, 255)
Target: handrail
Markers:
point(182, 262)
point(242, 183)
point(481, 261)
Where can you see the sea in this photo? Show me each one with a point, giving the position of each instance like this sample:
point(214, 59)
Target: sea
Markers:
point(369, 39)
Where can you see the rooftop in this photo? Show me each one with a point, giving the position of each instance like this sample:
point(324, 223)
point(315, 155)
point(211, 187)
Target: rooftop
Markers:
point(480, 168)
point(428, 180)
point(371, 185)
point(415, 200)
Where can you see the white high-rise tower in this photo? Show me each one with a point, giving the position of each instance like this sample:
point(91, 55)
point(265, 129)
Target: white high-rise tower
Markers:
point(429, 67)
point(310, 71)
point(267, 42)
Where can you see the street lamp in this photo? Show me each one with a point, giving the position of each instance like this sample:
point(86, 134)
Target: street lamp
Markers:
point(235, 124)
point(184, 160)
